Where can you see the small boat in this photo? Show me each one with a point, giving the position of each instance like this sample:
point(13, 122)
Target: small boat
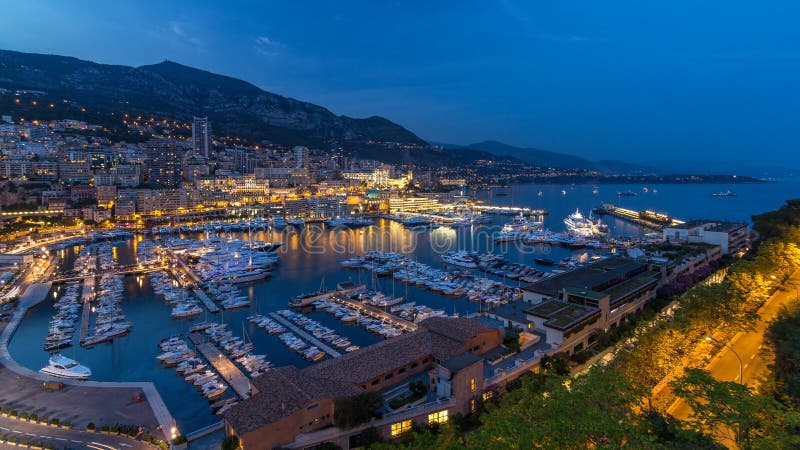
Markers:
point(544, 261)
point(723, 194)
point(63, 367)
point(626, 194)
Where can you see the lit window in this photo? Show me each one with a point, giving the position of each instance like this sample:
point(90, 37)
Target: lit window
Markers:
point(400, 428)
point(438, 417)
point(472, 384)
point(473, 405)
point(487, 395)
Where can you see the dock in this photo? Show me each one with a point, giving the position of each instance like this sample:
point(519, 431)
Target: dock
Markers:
point(224, 366)
point(646, 218)
point(379, 314)
point(296, 330)
point(87, 295)
point(342, 290)
point(209, 304)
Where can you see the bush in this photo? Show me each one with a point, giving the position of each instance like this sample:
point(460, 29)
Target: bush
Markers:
point(54, 421)
point(13, 413)
point(89, 426)
point(230, 443)
point(23, 415)
point(34, 417)
point(180, 440)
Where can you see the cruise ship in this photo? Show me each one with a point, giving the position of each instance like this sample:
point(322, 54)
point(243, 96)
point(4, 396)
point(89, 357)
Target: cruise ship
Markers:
point(63, 367)
point(580, 226)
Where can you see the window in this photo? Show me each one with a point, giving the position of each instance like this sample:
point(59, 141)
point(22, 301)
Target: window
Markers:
point(374, 382)
point(402, 370)
point(388, 376)
point(438, 417)
point(414, 365)
point(487, 395)
point(312, 407)
point(473, 405)
point(400, 427)
point(472, 384)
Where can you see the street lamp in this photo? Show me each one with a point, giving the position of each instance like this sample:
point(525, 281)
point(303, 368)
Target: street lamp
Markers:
point(741, 366)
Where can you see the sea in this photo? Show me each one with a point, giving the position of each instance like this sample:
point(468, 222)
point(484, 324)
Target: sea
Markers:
point(310, 259)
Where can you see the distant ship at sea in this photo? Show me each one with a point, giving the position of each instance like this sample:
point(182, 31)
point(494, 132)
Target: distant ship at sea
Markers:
point(723, 194)
point(626, 194)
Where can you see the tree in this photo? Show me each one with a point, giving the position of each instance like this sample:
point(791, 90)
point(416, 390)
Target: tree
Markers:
point(558, 364)
point(736, 411)
point(597, 409)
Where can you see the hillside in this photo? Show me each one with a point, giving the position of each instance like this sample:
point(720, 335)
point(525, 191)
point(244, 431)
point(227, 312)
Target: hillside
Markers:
point(235, 107)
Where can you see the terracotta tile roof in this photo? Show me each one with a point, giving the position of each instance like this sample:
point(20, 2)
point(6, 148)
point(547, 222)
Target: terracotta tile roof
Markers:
point(459, 328)
point(281, 392)
point(375, 360)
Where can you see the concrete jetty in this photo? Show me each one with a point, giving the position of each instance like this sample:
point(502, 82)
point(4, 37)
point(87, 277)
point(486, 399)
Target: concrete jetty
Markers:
point(295, 329)
point(209, 304)
point(87, 295)
point(379, 314)
point(224, 366)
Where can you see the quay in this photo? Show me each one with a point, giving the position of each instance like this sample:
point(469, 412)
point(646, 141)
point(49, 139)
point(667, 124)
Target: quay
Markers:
point(645, 218)
point(224, 366)
point(327, 349)
point(510, 210)
point(379, 314)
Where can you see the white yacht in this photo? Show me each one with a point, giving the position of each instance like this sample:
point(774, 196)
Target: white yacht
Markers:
point(63, 367)
point(580, 226)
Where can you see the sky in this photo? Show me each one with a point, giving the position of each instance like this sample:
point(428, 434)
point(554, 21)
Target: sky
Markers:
point(662, 83)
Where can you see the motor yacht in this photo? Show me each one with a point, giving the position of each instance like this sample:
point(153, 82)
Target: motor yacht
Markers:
point(62, 367)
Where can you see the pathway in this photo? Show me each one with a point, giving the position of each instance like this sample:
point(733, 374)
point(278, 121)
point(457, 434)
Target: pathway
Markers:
point(229, 372)
point(70, 438)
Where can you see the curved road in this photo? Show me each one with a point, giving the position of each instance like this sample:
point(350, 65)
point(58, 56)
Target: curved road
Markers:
point(62, 438)
point(725, 365)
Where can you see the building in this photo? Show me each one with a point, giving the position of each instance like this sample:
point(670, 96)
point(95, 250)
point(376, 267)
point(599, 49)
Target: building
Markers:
point(571, 307)
point(301, 157)
point(164, 162)
point(201, 137)
point(733, 238)
point(289, 402)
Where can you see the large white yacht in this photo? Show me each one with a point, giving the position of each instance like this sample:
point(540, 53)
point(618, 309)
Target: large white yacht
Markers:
point(63, 367)
point(580, 226)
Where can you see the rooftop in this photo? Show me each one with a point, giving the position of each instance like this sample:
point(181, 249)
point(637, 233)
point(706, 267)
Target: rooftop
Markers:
point(631, 285)
point(591, 277)
point(587, 293)
point(562, 315)
point(461, 361)
point(710, 225)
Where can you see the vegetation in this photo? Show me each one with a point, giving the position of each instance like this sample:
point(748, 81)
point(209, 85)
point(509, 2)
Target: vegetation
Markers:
point(353, 411)
point(230, 443)
point(417, 390)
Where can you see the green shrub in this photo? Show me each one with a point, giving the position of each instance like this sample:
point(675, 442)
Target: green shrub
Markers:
point(23, 415)
point(54, 421)
point(89, 426)
point(180, 440)
point(34, 417)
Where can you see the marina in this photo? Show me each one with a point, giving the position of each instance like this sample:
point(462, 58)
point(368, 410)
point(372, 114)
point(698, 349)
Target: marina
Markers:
point(132, 357)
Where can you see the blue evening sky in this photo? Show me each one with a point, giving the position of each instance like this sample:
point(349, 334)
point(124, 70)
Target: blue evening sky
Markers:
point(687, 82)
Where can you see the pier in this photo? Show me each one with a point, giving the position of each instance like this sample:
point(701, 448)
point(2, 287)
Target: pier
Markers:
point(128, 270)
point(343, 289)
point(224, 366)
point(379, 314)
point(209, 304)
point(645, 218)
point(87, 295)
point(295, 329)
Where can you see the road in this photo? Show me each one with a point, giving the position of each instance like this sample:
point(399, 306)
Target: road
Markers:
point(725, 365)
point(62, 438)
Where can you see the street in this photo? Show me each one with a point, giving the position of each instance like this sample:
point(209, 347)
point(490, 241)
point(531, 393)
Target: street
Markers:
point(725, 365)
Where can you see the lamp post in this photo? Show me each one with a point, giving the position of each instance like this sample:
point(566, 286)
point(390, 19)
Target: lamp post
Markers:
point(741, 366)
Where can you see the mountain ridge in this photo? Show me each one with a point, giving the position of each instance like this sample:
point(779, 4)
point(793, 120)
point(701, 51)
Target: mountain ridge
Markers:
point(234, 106)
